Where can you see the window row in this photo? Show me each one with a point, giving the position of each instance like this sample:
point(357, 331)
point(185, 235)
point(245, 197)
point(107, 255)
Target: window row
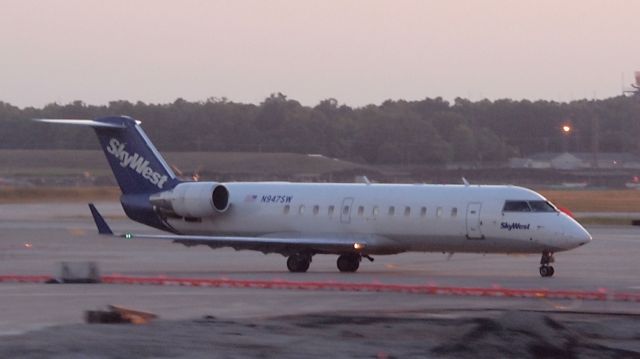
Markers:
point(375, 211)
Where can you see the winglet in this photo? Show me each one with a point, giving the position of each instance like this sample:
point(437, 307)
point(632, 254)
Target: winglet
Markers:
point(103, 227)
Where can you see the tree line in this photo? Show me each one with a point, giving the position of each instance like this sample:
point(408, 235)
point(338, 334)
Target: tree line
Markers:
point(429, 131)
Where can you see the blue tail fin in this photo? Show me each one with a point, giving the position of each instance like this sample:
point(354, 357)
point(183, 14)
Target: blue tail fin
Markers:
point(136, 164)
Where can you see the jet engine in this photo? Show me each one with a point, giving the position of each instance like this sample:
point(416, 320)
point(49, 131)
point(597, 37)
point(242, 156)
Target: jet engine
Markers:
point(192, 200)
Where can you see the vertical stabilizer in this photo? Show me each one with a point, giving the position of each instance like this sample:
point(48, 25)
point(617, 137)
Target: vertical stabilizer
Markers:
point(136, 163)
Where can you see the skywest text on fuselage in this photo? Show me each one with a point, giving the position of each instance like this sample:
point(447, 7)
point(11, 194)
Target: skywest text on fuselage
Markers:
point(511, 226)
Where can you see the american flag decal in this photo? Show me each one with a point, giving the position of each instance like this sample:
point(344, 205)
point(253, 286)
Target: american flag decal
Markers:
point(251, 198)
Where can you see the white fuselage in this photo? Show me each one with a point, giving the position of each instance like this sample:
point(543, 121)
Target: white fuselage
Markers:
point(394, 218)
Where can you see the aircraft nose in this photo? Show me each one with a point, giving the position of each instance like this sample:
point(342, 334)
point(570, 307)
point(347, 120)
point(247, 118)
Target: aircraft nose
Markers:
point(576, 235)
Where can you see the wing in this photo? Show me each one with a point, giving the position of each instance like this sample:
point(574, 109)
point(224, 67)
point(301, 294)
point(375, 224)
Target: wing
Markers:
point(284, 243)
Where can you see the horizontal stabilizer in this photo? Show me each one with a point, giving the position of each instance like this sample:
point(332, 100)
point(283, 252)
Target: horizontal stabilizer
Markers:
point(91, 123)
point(103, 227)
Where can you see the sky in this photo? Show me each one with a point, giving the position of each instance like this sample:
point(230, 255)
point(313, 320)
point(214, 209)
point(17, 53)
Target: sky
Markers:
point(358, 52)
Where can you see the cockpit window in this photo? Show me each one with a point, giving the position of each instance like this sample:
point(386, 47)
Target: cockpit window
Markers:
point(541, 206)
point(516, 206)
point(528, 206)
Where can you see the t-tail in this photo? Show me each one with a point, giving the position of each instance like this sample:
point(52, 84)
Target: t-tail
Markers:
point(137, 165)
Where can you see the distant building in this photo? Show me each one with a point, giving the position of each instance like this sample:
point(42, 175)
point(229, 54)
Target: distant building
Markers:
point(574, 161)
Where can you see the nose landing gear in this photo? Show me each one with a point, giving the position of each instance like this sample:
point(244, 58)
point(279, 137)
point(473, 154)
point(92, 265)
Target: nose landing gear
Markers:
point(546, 270)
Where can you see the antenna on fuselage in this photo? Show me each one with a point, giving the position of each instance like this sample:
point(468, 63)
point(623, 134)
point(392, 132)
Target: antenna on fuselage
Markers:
point(466, 183)
point(362, 179)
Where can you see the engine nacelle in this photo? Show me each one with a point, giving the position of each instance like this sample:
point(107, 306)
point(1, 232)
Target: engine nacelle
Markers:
point(192, 200)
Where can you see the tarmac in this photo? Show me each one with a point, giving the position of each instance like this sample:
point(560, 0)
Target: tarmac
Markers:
point(34, 238)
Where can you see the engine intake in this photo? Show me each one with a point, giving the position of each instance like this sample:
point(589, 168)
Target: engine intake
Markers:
point(192, 200)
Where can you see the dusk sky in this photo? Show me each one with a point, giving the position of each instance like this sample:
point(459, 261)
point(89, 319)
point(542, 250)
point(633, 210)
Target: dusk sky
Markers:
point(359, 52)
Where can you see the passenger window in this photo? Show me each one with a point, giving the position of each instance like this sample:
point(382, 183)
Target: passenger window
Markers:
point(360, 211)
point(407, 211)
point(423, 212)
point(392, 210)
point(439, 212)
point(454, 212)
point(316, 209)
point(516, 206)
point(541, 206)
point(330, 210)
point(301, 209)
point(374, 212)
point(286, 209)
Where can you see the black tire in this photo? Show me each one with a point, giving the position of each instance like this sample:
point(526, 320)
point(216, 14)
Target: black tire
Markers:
point(298, 263)
point(348, 263)
point(545, 271)
point(551, 271)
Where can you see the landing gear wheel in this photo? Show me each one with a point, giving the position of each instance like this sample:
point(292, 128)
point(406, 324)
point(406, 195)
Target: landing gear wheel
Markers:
point(546, 271)
point(298, 263)
point(349, 262)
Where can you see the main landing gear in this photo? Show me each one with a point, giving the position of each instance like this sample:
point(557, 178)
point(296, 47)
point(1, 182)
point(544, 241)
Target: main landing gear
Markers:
point(349, 263)
point(546, 270)
point(298, 263)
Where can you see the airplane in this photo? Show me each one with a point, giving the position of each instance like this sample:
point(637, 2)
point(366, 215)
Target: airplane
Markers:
point(350, 220)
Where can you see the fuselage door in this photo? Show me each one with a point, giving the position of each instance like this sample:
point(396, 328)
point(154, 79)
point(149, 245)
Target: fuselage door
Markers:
point(473, 221)
point(345, 210)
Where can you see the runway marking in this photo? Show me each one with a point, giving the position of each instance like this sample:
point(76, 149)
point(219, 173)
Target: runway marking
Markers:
point(599, 295)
